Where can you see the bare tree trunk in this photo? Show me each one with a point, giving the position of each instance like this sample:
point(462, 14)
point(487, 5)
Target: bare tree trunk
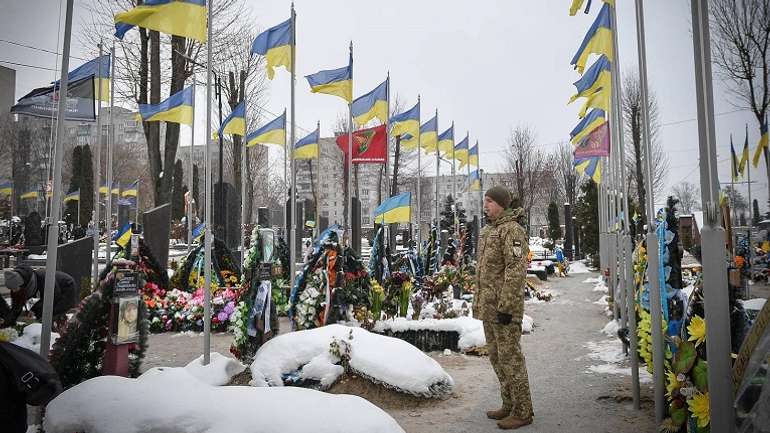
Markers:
point(153, 128)
point(178, 77)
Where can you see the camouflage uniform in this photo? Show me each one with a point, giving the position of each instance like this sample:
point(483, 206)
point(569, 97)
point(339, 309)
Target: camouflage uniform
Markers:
point(501, 274)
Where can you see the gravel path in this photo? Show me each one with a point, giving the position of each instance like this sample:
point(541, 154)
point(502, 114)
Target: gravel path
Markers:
point(567, 396)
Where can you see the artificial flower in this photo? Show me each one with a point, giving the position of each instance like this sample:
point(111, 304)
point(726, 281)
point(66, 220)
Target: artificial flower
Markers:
point(699, 407)
point(697, 330)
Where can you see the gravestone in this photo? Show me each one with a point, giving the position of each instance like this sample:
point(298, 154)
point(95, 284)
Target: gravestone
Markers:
point(33, 231)
point(227, 215)
point(75, 258)
point(356, 226)
point(323, 223)
point(124, 215)
point(157, 224)
point(263, 217)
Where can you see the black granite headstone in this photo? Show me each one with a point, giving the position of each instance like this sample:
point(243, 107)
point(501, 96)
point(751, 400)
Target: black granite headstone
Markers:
point(263, 217)
point(33, 231)
point(74, 258)
point(227, 215)
point(323, 223)
point(157, 224)
point(356, 226)
point(124, 215)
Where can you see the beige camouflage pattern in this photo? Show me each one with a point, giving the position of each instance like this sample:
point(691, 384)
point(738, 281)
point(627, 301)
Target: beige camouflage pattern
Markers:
point(502, 269)
point(501, 278)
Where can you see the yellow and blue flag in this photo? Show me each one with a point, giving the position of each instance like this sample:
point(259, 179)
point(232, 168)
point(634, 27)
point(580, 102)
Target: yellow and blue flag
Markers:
point(307, 148)
point(446, 140)
point(73, 196)
point(115, 188)
point(6, 187)
point(123, 235)
point(275, 44)
point(593, 120)
point(600, 100)
point(396, 209)
point(185, 18)
point(473, 155)
point(408, 142)
point(763, 143)
point(99, 68)
point(235, 122)
point(198, 231)
point(577, 4)
point(429, 134)
point(177, 108)
point(745, 154)
point(597, 77)
point(371, 105)
point(337, 82)
point(474, 181)
point(591, 167)
point(462, 151)
point(30, 195)
point(598, 40)
point(273, 132)
point(131, 191)
point(407, 122)
point(733, 160)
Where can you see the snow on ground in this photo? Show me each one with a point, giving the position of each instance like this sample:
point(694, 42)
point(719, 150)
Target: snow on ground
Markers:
point(471, 330)
point(603, 300)
point(611, 328)
point(386, 360)
point(30, 337)
point(600, 287)
point(754, 304)
point(593, 280)
point(578, 268)
point(173, 400)
point(218, 372)
point(610, 354)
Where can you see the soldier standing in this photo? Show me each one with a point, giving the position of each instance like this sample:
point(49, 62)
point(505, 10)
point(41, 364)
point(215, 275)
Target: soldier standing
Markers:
point(499, 303)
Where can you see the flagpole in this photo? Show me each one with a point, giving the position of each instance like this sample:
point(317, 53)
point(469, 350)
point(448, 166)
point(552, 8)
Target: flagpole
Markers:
point(207, 228)
point(244, 149)
point(438, 166)
point(192, 179)
point(98, 174)
point(288, 151)
point(110, 130)
point(419, 178)
point(481, 192)
point(53, 229)
point(136, 218)
point(350, 156)
point(454, 184)
point(751, 240)
point(733, 174)
point(388, 188)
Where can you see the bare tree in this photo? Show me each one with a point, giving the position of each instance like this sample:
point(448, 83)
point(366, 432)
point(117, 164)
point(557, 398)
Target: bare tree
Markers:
point(688, 195)
point(561, 172)
point(740, 41)
point(632, 119)
point(526, 164)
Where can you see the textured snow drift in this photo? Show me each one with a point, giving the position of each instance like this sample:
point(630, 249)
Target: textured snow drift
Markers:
point(386, 360)
point(30, 337)
point(578, 268)
point(176, 400)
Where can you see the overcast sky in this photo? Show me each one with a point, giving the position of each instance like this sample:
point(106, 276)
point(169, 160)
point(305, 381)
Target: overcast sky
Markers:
point(486, 65)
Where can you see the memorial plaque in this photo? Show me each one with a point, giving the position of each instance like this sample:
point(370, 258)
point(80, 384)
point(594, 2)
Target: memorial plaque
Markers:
point(265, 271)
point(126, 283)
point(157, 225)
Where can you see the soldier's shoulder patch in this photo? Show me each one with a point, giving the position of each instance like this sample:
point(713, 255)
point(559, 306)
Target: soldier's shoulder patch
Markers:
point(516, 243)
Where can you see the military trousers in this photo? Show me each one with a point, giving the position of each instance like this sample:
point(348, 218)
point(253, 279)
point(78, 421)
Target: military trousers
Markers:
point(504, 345)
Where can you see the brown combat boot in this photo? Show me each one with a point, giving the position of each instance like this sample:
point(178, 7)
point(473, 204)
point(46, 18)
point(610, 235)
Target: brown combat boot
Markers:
point(511, 422)
point(498, 414)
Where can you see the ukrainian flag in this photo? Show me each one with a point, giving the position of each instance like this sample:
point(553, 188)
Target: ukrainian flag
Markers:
point(30, 195)
point(177, 108)
point(598, 76)
point(592, 121)
point(429, 134)
point(6, 187)
point(235, 123)
point(408, 142)
point(373, 104)
point(475, 181)
point(116, 188)
point(733, 160)
point(275, 44)
point(591, 167)
point(598, 40)
point(396, 209)
point(577, 4)
point(600, 99)
point(199, 231)
point(307, 148)
point(73, 196)
point(473, 155)
point(185, 18)
point(446, 140)
point(100, 69)
point(745, 154)
point(273, 132)
point(407, 122)
point(131, 191)
point(103, 189)
point(462, 152)
point(763, 143)
point(337, 82)
point(123, 235)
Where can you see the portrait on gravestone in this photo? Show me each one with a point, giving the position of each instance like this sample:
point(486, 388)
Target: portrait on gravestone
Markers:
point(127, 318)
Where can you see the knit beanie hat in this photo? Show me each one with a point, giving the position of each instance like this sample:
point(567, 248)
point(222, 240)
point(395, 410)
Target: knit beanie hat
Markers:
point(13, 280)
point(500, 195)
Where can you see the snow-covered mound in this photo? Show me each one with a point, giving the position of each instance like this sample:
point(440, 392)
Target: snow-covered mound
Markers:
point(578, 268)
point(386, 360)
point(611, 328)
point(174, 400)
point(30, 337)
point(218, 372)
point(471, 330)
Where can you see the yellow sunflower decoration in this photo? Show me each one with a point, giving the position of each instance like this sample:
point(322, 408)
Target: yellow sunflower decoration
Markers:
point(699, 407)
point(673, 383)
point(697, 330)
